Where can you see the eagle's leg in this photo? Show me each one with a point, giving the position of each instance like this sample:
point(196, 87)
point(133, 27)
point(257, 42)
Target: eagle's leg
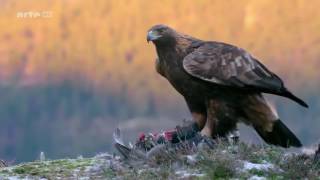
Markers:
point(210, 128)
point(198, 111)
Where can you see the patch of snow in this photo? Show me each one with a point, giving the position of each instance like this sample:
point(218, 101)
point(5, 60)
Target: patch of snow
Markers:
point(13, 178)
point(84, 178)
point(89, 169)
point(186, 174)
point(76, 172)
point(265, 166)
point(255, 177)
point(308, 150)
point(104, 156)
point(140, 171)
point(192, 159)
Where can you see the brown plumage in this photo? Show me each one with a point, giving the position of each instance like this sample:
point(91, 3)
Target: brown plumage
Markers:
point(222, 85)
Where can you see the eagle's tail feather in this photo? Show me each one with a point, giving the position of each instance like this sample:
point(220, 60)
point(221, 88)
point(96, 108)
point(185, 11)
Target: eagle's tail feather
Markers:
point(280, 135)
point(291, 96)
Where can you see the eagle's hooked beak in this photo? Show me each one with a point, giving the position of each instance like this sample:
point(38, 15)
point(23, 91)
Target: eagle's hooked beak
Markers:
point(153, 35)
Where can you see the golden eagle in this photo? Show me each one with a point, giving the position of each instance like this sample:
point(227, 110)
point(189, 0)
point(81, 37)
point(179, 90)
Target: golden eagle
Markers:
point(222, 85)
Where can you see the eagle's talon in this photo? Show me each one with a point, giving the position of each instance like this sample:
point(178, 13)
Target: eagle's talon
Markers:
point(179, 134)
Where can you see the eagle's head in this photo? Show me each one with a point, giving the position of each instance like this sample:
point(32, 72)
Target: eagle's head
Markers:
point(161, 34)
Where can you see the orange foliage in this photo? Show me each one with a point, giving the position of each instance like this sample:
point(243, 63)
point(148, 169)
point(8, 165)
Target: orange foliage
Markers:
point(103, 42)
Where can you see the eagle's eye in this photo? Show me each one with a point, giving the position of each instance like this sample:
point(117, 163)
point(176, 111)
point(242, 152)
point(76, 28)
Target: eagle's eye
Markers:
point(158, 33)
point(160, 30)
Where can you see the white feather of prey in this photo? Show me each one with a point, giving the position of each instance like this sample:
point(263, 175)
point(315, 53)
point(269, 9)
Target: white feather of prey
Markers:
point(273, 109)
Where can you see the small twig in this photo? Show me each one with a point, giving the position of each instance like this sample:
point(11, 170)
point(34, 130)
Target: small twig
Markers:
point(317, 154)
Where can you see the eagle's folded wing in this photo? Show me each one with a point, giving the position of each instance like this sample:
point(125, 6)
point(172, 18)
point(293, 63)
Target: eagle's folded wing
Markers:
point(231, 66)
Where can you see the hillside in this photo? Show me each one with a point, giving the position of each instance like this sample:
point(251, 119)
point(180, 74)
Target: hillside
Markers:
point(224, 161)
point(88, 69)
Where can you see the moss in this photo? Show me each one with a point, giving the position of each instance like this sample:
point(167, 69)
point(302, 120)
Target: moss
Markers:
point(222, 171)
point(260, 154)
point(146, 175)
point(24, 169)
point(223, 162)
point(218, 163)
point(257, 172)
point(49, 169)
point(297, 166)
point(4, 171)
point(164, 172)
point(19, 170)
point(108, 173)
point(143, 175)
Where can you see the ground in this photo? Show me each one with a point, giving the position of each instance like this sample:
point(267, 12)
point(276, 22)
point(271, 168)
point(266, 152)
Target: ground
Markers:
point(225, 161)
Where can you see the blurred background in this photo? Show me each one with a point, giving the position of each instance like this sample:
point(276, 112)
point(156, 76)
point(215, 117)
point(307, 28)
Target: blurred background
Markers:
point(72, 71)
